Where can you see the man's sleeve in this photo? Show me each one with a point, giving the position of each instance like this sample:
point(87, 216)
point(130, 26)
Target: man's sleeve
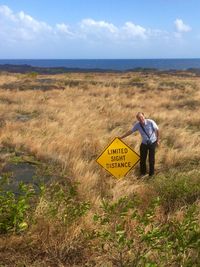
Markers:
point(155, 126)
point(135, 127)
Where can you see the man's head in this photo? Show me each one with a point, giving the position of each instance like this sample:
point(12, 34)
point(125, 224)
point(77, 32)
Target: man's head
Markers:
point(140, 117)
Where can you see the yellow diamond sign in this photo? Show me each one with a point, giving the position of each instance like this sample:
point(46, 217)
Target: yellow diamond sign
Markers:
point(118, 158)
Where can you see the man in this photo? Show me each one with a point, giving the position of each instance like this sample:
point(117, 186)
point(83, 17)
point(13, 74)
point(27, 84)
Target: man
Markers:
point(150, 138)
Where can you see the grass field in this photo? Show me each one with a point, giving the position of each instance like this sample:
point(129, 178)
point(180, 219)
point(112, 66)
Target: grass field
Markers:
point(66, 121)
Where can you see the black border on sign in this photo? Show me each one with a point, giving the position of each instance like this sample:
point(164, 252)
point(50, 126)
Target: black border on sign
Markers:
point(124, 144)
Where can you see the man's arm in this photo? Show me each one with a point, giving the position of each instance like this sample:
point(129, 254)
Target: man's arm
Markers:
point(158, 137)
point(126, 134)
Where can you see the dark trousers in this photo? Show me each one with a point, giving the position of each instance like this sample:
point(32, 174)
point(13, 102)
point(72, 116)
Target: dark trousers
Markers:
point(144, 150)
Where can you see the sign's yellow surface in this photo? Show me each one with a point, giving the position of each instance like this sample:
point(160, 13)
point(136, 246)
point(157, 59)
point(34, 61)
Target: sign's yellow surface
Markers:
point(118, 158)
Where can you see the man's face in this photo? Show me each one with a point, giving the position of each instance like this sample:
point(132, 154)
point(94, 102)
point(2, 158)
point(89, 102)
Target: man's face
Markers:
point(141, 118)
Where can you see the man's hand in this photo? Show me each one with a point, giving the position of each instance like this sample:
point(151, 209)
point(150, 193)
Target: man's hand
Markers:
point(126, 134)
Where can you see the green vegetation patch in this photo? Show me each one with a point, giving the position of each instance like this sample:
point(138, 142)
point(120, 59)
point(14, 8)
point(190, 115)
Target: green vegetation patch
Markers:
point(177, 190)
point(130, 237)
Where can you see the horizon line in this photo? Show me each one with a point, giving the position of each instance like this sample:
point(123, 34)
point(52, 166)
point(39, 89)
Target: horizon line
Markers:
point(170, 58)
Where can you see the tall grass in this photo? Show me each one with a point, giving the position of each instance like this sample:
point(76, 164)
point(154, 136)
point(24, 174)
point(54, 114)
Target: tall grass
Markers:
point(70, 127)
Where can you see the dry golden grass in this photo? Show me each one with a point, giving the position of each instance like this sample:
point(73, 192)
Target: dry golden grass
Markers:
point(71, 126)
point(72, 123)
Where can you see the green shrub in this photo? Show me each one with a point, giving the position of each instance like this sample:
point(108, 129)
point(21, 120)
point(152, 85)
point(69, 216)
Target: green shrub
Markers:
point(127, 237)
point(135, 80)
point(14, 209)
point(177, 190)
point(32, 74)
point(63, 204)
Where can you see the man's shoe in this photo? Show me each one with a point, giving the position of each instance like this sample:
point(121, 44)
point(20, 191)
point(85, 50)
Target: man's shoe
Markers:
point(143, 176)
point(151, 176)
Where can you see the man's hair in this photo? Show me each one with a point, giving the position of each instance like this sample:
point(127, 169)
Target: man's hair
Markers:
point(139, 113)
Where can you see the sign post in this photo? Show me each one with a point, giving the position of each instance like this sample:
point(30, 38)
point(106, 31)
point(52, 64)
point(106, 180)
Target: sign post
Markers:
point(118, 158)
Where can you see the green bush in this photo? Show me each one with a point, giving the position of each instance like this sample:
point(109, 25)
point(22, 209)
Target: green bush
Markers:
point(32, 74)
point(127, 237)
point(63, 204)
point(177, 190)
point(14, 209)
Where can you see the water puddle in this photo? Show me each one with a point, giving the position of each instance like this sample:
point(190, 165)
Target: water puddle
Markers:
point(16, 168)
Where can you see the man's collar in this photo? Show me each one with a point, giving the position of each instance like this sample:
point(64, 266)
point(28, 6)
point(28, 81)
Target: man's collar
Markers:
point(145, 121)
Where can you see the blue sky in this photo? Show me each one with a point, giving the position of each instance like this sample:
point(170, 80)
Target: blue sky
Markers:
point(99, 29)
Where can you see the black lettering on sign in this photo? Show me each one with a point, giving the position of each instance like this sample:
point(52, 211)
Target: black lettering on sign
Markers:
point(118, 165)
point(117, 158)
point(117, 151)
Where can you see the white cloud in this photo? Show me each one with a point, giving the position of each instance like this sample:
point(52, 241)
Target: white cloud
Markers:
point(63, 29)
point(31, 23)
point(21, 26)
point(103, 29)
point(6, 12)
point(18, 29)
point(133, 30)
point(181, 26)
point(92, 24)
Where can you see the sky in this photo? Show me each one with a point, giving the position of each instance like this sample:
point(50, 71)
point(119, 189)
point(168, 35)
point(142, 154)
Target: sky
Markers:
point(99, 29)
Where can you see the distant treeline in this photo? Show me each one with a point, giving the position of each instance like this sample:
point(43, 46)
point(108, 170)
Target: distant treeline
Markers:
point(58, 70)
point(45, 70)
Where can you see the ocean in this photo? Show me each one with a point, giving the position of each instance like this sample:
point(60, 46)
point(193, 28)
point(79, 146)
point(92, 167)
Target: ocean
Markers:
point(109, 64)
